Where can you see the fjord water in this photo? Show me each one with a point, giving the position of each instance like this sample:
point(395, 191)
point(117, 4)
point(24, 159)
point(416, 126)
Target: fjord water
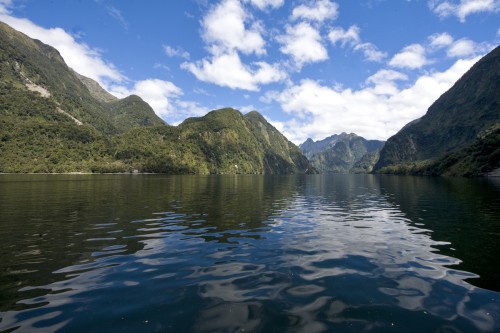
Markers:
point(323, 253)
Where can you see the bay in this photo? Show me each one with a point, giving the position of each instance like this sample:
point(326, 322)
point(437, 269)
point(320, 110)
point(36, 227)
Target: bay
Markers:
point(316, 253)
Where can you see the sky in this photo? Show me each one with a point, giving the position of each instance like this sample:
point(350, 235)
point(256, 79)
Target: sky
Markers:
point(312, 68)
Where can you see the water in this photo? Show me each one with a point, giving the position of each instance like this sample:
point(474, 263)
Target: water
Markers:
point(338, 253)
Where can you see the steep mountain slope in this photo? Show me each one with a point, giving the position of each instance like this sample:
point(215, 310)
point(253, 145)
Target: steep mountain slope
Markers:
point(221, 142)
point(279, 153)
point(95, 89)
point(29, 66)
point(55, 120)
point(338, 153)
point(453, 122)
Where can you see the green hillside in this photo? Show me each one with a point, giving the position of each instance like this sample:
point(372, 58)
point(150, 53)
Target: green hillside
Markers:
point(221, 142)
point(452, 126)
point(53, 119)
point(340, 153)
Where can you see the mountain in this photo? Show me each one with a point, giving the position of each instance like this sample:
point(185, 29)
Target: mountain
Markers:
point(53, 119)
point(37, 71)
point(464, 117)
point(339, 153)
point(221, 142)
point(95, 89)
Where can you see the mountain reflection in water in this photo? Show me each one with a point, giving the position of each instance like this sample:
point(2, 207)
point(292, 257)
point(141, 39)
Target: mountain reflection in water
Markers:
point(331, 253)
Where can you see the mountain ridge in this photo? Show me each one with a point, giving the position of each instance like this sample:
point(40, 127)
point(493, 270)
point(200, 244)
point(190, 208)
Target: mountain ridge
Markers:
point(452, 123)
point(339, 153)
point(53, 119)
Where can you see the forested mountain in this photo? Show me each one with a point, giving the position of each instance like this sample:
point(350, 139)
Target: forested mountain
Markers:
point(340, 152)
point(459, 133)
point(53, 119)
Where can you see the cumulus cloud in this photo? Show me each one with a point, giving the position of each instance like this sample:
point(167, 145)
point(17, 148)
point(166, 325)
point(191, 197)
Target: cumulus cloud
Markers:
point(318, 11)
point(227, 30)
point(303, 43)
point(165, 99)
point(186, 109)
point(79, 56)
point(376, 111)
point(227, 70)
point(466, 48)
point(412, 57)
point(157, 93)
point(440, 40)
point(224, 29)
point(264, 4)
point(384, 81)
point(463, 8)
point(351, 37)
point(463, 47)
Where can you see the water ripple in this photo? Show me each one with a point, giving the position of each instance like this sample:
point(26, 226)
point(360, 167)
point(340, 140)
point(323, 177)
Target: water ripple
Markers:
point(314, 258)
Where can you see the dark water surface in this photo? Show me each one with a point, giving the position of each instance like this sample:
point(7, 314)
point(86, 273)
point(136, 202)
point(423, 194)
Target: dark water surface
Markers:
point(337, 253)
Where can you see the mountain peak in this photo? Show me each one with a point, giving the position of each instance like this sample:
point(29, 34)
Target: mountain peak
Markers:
point(338, 152)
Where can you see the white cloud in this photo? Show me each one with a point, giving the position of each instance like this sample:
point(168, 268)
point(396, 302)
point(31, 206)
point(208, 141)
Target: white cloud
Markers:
point(264, 4)
point(164, 98)
point(227, 70)
point(463, 8)
point(157, 93)
point(4, 6)
point(351, 37)
point(319, 11)
point(438, 41)
point(467, 48)
point(161, 95)
point(371, 52)
point(384, 81)
point(246, 108)
point(303, 43)
point(224, 30)
point(175, 52)
point(377, 111)
point(79, 56)
point(462, 48)
point(412, 56)
point(186, 109)
point(228, 30)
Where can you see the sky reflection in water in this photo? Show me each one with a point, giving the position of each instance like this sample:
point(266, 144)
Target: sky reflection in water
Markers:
point(339, 253)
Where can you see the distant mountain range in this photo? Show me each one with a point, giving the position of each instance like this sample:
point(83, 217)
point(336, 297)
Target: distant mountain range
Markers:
point(53, 119)
point(459, 134)
point(342, 153)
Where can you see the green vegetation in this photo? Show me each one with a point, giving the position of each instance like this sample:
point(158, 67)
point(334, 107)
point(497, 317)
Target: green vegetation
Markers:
point(342, 153)
point(476, 159)
point(450, 139)
point(366, 163)
point(55, 120)
point(222, 142)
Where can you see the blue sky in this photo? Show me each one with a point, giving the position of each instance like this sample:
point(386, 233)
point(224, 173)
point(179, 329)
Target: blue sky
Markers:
point(312, 68)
